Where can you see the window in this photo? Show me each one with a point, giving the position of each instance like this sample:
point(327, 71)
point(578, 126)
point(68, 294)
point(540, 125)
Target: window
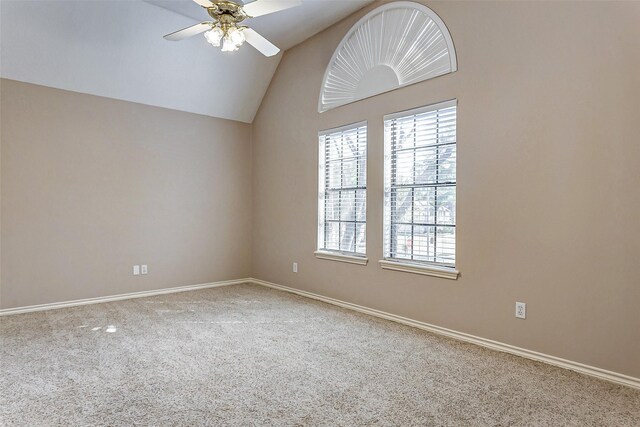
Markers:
point(420, 187)
point(342, 204)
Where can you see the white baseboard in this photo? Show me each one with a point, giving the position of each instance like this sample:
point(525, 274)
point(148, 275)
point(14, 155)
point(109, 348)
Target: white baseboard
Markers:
point(494, 345)
point(99, 300)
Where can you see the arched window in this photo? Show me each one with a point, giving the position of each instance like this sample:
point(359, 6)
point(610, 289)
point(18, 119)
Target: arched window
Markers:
point(395, 45)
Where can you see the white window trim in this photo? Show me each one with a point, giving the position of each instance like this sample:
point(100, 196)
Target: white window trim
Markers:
point(363, 123)
point(340, 257)
point(425, 269)
point(352, 258)
point(420, 110)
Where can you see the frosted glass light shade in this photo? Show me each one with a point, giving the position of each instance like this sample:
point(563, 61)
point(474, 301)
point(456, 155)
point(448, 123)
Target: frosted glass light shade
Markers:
point(228, 45)
point(395, 45)
point(214, 36)
point(237, 36)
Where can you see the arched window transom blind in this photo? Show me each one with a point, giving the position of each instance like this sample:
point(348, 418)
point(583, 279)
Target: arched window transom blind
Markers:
point(342, 204)
point(420, 185)
point(397, 44)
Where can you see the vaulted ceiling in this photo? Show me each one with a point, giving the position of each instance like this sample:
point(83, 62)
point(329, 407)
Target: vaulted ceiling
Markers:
point(115, 49)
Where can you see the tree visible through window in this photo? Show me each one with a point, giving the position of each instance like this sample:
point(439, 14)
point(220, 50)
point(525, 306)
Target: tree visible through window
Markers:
point(420, 185)
point(342, 213)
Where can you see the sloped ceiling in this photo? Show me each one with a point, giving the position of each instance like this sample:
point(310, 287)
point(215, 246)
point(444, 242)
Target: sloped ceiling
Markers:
point(115, 49)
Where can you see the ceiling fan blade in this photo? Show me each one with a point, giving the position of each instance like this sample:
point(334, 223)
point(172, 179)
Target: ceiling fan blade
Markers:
point(185, 33)
point(264, 7)
point(204, 3)
point(263, 45)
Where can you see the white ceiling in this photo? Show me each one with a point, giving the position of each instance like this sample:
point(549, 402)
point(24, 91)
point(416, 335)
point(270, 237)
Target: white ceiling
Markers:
point(115, 49)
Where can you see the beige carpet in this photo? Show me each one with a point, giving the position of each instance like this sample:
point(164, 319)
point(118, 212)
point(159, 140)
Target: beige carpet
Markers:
point(246, 355)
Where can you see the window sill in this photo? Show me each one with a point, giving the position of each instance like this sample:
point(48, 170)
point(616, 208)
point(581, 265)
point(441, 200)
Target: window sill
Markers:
point(342, 258)
point(427, 270)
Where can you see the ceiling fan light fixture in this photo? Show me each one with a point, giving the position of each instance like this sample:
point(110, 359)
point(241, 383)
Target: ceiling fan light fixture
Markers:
point(214, 36)
point(225, 30)
point(228, 45)
point(237, 36)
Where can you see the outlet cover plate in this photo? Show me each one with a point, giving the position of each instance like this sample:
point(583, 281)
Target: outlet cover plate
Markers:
point(521, 310)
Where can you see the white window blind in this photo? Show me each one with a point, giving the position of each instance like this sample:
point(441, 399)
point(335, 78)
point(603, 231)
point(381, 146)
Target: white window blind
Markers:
point(342, 204)
point(420, 185)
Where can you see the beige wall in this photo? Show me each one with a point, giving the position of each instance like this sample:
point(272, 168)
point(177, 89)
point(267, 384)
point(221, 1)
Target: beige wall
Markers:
point(548, 172)
point(549, 206)
point(92, 186)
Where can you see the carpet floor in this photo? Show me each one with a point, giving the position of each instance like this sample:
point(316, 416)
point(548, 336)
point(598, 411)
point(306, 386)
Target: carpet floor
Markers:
point(246, 355)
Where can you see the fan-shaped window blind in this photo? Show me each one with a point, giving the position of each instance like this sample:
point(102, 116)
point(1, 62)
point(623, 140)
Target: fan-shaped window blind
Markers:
point(398, 44)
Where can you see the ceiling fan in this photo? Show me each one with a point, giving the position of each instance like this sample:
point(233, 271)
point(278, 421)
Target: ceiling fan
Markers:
point(225, 30)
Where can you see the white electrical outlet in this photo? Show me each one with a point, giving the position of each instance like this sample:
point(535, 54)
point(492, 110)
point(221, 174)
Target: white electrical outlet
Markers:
point(521, 310)
point(295, 267)
point(136, 270)
point(143, 269)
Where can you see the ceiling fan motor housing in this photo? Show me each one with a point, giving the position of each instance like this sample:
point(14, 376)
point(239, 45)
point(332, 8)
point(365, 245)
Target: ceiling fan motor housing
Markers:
point(227, 13)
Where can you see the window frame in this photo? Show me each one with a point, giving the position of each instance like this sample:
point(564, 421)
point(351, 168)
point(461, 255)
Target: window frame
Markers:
point(329, 254)
point(442, 270)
